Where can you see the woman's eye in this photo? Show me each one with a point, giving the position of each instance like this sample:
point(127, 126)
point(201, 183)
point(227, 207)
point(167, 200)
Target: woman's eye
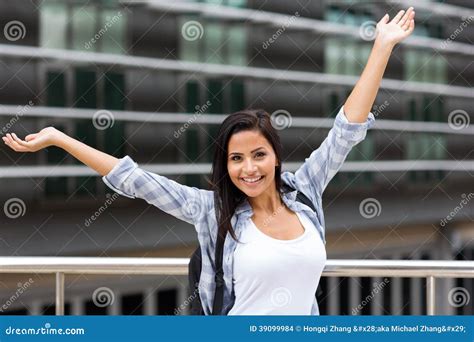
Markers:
point(258, 154)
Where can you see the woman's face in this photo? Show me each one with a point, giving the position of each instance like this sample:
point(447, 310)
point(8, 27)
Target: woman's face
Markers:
point(250, 156)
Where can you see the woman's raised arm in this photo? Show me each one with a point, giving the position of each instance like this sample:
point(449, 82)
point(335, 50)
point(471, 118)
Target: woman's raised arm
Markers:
point(99, 161)
point(360, 101)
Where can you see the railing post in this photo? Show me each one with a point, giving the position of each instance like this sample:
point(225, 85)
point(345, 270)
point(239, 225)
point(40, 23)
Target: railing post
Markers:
point(430, 295)
point(59, 293)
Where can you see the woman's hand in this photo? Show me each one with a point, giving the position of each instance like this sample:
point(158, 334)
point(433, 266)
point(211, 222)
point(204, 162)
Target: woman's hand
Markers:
point(393, 32)
point(33, 142)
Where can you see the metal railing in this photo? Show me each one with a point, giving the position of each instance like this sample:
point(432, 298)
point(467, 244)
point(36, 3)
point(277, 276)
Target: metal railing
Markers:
point(60, 266)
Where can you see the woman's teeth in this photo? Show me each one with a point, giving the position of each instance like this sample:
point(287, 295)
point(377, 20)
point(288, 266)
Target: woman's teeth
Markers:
point(252, 180)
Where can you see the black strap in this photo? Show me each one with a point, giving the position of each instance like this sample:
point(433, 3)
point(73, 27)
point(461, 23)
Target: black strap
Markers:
point(300, 197)
point(219, 277)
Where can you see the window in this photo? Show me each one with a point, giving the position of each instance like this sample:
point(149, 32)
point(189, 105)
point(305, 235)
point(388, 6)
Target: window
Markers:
point(92, 309)
point(114, 98)
point(97, 27)
point(85, 97)
point(426, 146)
point(215, 96)
point(221, 43)
point(237, 96)
point(214, 48)
point(55, 97)
point(83, 22)
point(112, 22)
point(132, 304)
point(53, 25)
point(424, 66)
point(167, 302)
point(192, 133)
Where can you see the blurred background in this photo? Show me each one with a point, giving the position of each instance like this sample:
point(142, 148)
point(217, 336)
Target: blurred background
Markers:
point(153, 79)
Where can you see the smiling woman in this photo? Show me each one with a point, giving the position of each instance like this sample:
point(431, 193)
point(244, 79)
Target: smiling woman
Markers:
point(270, 245)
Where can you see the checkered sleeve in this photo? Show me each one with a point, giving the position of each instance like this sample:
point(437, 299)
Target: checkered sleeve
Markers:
point(186, 203)
point(324, 162)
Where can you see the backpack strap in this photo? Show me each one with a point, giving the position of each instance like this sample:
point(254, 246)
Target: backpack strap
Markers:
point(300, 197)
point(219, 277)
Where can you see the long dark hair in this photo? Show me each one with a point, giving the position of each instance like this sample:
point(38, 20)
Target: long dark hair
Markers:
point(227, 197)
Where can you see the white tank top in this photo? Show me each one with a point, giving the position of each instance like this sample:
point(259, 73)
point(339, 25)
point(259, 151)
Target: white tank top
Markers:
point(277, 277)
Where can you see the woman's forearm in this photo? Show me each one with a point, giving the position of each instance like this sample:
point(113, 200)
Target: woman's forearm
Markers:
point(101, 162)
point(360, 101)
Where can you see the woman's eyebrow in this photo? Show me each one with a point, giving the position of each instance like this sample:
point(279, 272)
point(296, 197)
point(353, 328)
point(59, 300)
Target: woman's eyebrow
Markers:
point(258, 148)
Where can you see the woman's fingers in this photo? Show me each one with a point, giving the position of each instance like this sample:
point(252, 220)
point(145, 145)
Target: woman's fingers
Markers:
point(21, 145)
point(13, 144)
point(19, 141)
point(406, 18)
point(399, 16)
point(384, 19)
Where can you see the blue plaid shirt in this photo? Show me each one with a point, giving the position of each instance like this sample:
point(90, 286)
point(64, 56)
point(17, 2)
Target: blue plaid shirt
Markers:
point(196, 206)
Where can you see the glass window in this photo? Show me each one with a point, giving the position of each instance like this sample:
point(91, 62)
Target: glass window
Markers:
point(215, 96)
point(83, 21)
point(237, 96)
point(412, 66)
point(112, 31)
point(53, 25)
point(55, 97)
point(237, 45)
point(86, 97)
point(167, 302)
point(132, 304)
point(237, 3)
point(114, 98)
point(333, 54)
point(189, 50)
point(214, 51)
point(192, 133)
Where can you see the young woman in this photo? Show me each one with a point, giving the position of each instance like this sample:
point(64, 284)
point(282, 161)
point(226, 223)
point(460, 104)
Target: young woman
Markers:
point(274, 250)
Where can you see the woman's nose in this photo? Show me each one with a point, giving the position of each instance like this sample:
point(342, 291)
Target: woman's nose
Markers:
point(250, 167)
